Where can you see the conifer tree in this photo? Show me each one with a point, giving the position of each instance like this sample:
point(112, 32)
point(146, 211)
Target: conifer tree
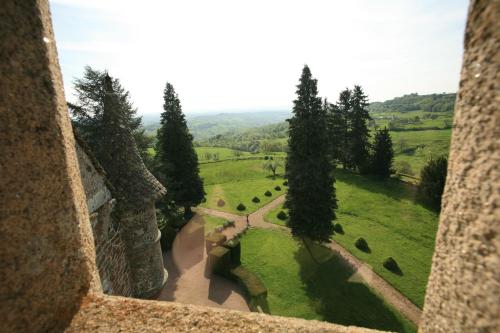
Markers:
point(359, 135)
point(177, 161)
point(88, 109)
point(336, 131)
point(311, 194)
point(383, 153)
point(433, 179)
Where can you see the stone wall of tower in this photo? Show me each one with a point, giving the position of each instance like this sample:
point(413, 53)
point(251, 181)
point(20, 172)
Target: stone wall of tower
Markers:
point(111, 260)
point(142, 239)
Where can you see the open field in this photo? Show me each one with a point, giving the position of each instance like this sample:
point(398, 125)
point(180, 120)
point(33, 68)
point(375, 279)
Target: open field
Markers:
point(238, 182)
point(299, 287)
point(416, 147)
point(386, 214)
point(208, 153)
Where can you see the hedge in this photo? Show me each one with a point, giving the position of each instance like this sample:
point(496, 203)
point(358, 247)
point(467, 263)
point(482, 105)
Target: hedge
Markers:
point(253, 286)
point(219, 260)
point(234, 247)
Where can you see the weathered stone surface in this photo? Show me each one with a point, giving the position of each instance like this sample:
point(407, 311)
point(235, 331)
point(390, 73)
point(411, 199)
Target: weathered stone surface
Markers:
point(118, 314)
point(142, 240)
point(47, 251)
point(463, 294)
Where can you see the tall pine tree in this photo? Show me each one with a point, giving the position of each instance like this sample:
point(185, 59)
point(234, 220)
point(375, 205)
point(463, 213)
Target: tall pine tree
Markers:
point(383, 153)
point(337, 128)
point(88, 109)
point(311, 194)
point(359, 134)
point(177, 161)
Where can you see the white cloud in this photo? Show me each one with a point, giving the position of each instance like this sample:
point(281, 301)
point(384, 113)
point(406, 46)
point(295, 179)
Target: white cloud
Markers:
point(226, 54)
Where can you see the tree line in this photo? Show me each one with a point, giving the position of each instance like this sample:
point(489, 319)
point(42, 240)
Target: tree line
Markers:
point(322, 135)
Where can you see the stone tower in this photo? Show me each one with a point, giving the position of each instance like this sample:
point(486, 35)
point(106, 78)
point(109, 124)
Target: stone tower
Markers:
point(136, 190)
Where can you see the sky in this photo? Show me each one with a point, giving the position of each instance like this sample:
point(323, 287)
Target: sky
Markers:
point(236, 56)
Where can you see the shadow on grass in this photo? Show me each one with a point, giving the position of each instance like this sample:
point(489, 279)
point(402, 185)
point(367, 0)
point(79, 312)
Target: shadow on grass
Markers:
point(339, 299)
point(390, 187)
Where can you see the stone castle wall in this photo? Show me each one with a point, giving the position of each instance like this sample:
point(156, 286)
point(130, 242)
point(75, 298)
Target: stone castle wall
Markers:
point(111, 259)
point(142, 237)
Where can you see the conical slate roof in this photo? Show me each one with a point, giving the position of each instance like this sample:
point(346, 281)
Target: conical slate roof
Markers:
point(133, 182)
point(129, 180)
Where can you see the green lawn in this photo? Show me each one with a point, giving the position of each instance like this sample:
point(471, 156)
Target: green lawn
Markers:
point(387, 215)
point(298, 287)
point(238, 182)
point(419, 146)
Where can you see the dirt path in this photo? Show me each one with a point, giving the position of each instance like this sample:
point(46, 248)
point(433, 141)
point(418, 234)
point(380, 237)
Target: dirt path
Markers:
point(381, 286)
point(187, 281)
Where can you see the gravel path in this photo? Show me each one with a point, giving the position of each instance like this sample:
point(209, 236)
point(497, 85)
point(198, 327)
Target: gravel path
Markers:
point(187, 281)
point(381, 286)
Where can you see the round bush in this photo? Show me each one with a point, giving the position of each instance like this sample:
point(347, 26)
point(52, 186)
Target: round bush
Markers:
point(277, 188)
point(268, 193)
point(285, 183)
point(282, 215)
point(338, 228)
point(362, 244)
point(255, 199)
point(241, 207)
point(391, 264)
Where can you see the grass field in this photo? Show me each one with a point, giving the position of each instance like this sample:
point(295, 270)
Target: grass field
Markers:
point(394, 224)
point(298, 287)
point(419, 146)
point(238, 182)
point(207, 153)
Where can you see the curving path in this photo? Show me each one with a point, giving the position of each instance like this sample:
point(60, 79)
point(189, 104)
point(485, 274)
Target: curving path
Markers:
point(384, 288)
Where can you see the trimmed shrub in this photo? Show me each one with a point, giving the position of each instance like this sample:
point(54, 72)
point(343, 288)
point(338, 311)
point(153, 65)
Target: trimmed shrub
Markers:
point(221, 203)
point(219, 260)
point(234, 247)
point(268, 193)
point(391, 264)
point(277, 188)
point(256, 200)
point(241, 207)
point(253, 286)
point(282, 215)
point(285, 183)
point(362, 244)
point(338, 228)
